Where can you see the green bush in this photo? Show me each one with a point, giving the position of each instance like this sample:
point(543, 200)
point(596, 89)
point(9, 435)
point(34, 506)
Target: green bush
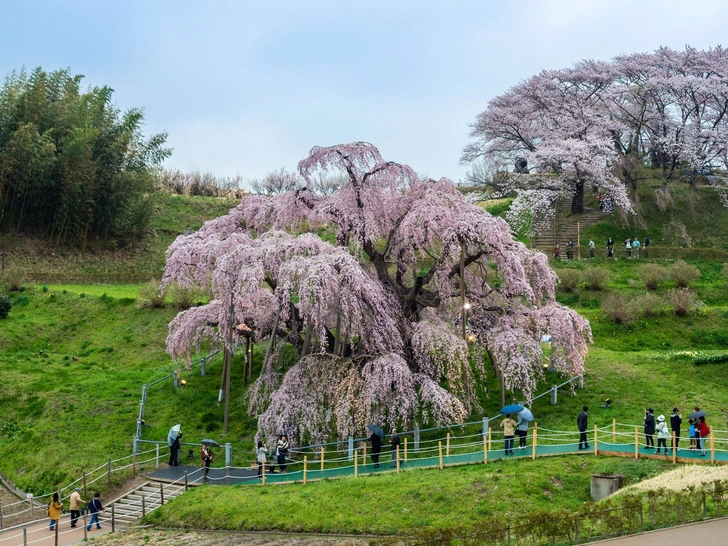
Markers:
point(5, 306)
point(683, 274)
point(652, 275)
point(596, 278)
point(569, 279)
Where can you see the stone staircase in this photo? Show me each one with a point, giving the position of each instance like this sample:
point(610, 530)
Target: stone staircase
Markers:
point(129, 508)
point(566, 226)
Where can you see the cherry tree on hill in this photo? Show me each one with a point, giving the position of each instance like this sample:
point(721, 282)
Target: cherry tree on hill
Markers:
point(592, 124)
point(362, 327)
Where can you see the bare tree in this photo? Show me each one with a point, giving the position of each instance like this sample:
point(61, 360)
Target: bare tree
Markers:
point(276, 182)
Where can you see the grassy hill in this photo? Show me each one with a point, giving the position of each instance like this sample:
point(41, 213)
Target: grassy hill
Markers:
point(73, 359)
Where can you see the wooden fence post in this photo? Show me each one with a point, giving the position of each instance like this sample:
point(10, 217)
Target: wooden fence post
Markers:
point(596, 441)
point(490, 435)
point(113, 519)
point(439, 448)
point(614, 431)
point(144, 505)
point(405, 450)
point(712, 446)
point(305, 464)
point(1, 515)
point(186, 480)
point(636, 443)
point(535, 441)
point(133, 465)
point(263, 473)
point(674, 448)
point(485, 450)
point(397, 455)
point(156, 456)
point(447, 445)
point(108, 471)
point(356, 463)
point(322, 457)
point(161, 494)
point(364, 457)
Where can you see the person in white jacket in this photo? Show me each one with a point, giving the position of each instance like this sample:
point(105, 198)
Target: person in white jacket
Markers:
point(663, 433)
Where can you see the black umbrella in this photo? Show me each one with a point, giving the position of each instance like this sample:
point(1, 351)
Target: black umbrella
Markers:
point(697, 415)
point(211, 443)
point(376, 429)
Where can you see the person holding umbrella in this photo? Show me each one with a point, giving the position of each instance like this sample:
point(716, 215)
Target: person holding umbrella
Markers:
point(173, 439)
point(206, 456)
point(524, 416)
point(376, 441)
point(509, 427)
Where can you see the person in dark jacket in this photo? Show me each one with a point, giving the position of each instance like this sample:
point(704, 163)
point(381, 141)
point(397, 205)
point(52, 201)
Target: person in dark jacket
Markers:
point(675, 422)
point(649, 428)
point(394, 446)
point(582, 422)
point(376, 448)
point(174, 451)
point(94, 507)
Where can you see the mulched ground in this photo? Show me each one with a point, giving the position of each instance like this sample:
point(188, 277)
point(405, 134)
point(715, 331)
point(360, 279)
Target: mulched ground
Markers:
point(178, 538)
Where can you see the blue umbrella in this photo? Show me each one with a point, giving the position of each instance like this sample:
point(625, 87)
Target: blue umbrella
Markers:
point(376, 430)
point(526, 414)
point(511, 408)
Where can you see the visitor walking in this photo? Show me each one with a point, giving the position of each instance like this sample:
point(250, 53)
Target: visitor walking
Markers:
point(610, 248)
point(522, 431)
point(628, 247)
point(662, 434)
point(582, 423)
point(54, 511)
point(74, 505)
point(509, 428)
point(282, 453)
point(206, 457)
point(394, 446)
point(703, 431)
point(636, 247)
point(646, 245)
point(261, 457)
point(591, 247)
point(675, 418)
point(94, 507)
point(649, 428)
point(174, 450)
point(557, 252)
point(376, 442)
point(570, 250)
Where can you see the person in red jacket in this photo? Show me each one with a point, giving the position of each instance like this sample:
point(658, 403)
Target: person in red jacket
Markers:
point(703, 430)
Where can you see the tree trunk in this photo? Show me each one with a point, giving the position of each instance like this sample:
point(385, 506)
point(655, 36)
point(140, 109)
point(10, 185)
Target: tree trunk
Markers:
point(577, 203)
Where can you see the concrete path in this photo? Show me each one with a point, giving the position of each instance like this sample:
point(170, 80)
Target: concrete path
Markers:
point(39, 534)
point(215, 476)
point(704, 533)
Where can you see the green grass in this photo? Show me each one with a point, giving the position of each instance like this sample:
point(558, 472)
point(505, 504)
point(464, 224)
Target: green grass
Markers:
point(391, 503)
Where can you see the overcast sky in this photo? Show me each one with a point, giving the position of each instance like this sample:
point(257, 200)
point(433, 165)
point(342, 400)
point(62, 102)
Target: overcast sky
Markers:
point(248, 87)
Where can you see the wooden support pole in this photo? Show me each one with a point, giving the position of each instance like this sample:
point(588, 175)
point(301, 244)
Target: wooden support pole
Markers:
point(464, 309)
point(133, 465)
point(364, 458)
point(113, 518)
point(108, 471)
point(447, 446)
point(535, 441)
point(712, 447)
point(156, 461)
point(596, 441)
point(636, 443)
point(263, 474)
point(144, 505)
point(439, 449)
point(305, 464)
point(2, 525)
point(674, 448)
point(397, 455)
point(490, 435)
point(485, 450)
point(187, 481)
point(405, 450)
point(578, 240)
point(322, 458)
point(356, 463)
point(161, 494)
point(614, 431)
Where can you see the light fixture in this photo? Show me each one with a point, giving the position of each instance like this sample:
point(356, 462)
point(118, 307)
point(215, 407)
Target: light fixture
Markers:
point(471, 338)
point(183, 382)
point(466, 306)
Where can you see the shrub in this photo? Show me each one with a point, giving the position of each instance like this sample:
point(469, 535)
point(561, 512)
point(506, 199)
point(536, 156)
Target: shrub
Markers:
point(569, 279)
point(151, 294)
point(652, 275)
point(596, 277)
point(647, 305)
point(615, 307)
point(683, 274)
point(682, 301)
point(5, 306)
point(183, 297)
point(13, 279)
